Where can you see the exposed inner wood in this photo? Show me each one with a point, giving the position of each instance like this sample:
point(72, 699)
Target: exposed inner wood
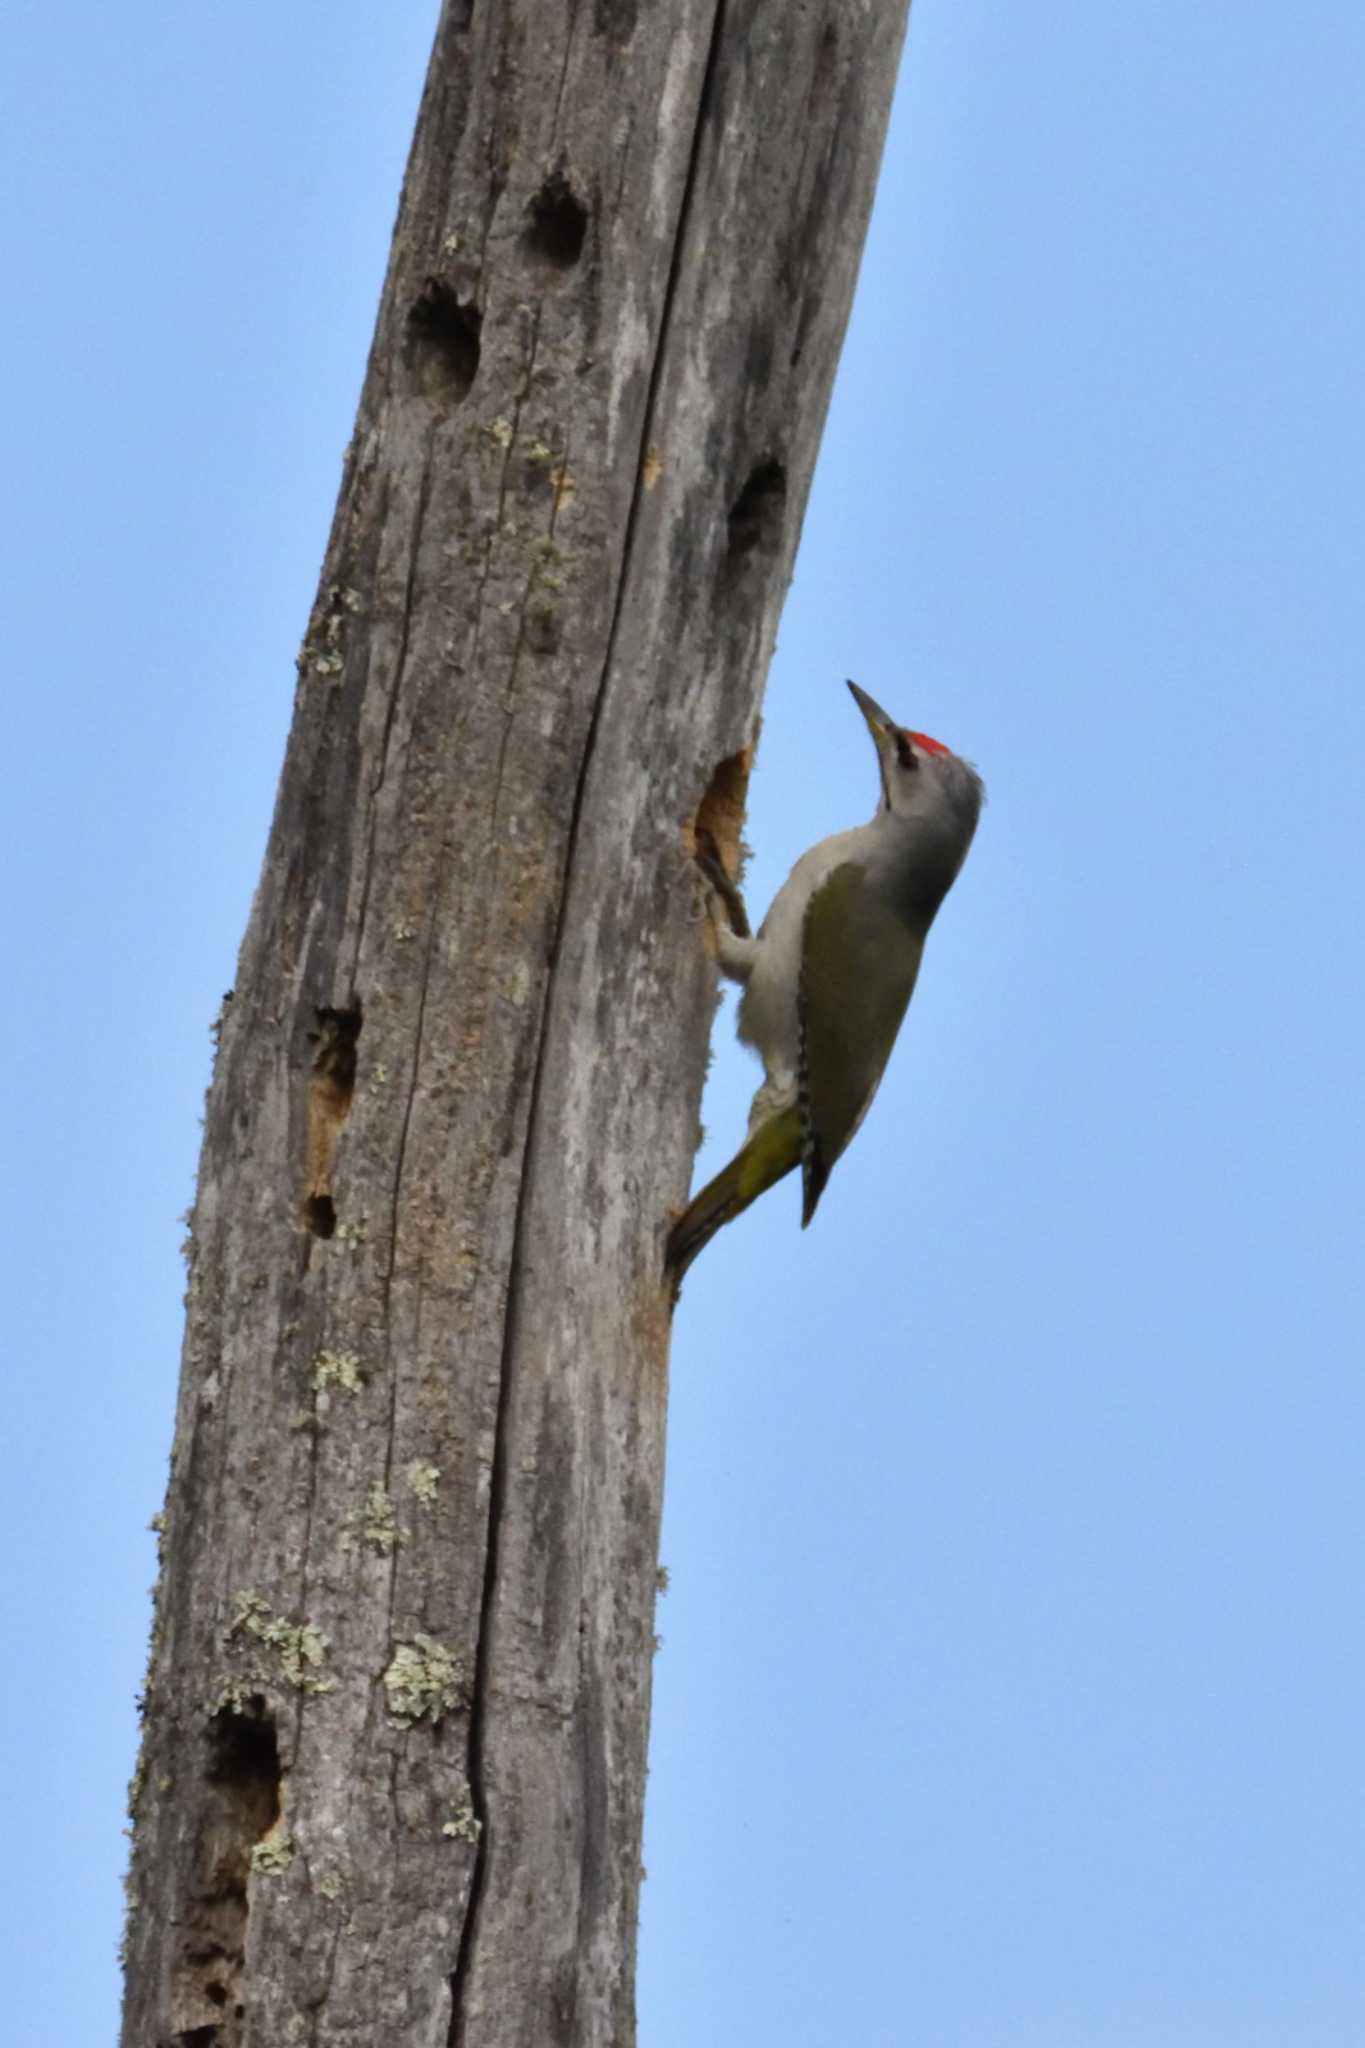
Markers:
point(331, 1086)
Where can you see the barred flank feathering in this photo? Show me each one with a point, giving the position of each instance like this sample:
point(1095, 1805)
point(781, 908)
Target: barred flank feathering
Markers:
point(814, 1169)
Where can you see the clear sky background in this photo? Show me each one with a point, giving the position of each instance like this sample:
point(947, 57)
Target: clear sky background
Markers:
point(1012, 1692)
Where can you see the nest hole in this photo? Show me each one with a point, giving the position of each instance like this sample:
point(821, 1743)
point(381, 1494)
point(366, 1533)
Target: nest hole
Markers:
point(715, 831)
point(320, 1215)
point(244, 1760)
point(331, 1089)
point(442, 344)
point(615, 19)
point(242, 1803)
point(556, 224)
point(757, 515)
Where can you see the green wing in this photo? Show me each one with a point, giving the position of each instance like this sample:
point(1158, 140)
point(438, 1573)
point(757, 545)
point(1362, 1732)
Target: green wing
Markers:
point(859, 960)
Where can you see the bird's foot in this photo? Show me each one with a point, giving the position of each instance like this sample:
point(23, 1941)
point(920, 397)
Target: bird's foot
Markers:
point(722, 884)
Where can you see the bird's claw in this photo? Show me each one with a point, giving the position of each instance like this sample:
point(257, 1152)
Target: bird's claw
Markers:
point(721, 884)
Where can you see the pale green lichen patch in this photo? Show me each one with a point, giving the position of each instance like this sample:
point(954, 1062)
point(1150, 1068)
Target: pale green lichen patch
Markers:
point(465, 1826)
point(234, 1696)
point(378, 1526)
point(422, 1480)
point(339, 1369)
point(272, 1856)
point(329, 1883)
point(323, 652)
point(352, 1234)
point(299, 1647)
point(423, 1681)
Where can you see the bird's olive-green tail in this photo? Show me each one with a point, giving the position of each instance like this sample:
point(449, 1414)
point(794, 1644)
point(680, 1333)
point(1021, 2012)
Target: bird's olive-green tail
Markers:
point(772, 1151)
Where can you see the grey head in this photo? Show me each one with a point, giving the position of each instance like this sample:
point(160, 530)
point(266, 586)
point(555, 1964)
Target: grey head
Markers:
point(930, 802)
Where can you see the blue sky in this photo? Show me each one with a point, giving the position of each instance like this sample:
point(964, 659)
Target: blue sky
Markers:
point(1012, 1685)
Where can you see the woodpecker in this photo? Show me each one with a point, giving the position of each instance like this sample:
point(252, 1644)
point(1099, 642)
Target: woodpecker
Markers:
point(829, 976)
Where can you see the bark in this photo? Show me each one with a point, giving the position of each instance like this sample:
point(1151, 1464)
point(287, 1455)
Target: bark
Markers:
point(392, 1776)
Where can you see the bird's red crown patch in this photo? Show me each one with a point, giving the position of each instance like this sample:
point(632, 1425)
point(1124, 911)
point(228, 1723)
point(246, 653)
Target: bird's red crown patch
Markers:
point(922, 739)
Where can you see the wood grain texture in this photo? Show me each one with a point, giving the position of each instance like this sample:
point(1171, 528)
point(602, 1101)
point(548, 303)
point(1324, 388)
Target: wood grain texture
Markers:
point(392, 1778)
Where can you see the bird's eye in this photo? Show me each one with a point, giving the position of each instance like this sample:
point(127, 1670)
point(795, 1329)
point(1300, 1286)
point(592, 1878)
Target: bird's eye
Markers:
point(905, 753)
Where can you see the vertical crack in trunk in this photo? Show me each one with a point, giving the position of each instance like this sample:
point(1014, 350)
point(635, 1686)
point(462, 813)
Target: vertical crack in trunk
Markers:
point(479, 1703)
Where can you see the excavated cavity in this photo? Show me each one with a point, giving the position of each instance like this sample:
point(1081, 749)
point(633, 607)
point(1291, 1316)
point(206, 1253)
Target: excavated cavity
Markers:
point(243, 1804)
point(756, 517)
point(556, 224)
point(331, 1087)
point(615, 19)
point(442, 344)
point(244, 1758)
point(714, 833)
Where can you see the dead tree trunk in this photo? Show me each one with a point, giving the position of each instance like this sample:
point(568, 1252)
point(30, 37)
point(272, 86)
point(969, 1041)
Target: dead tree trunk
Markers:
point(392, 1777)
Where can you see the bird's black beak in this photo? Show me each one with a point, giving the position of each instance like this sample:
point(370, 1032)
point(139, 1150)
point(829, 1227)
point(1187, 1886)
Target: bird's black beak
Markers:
point(880, 723)
point(886, 736)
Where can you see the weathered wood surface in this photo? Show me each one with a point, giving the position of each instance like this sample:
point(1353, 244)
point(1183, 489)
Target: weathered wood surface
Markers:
point(392, 1780)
